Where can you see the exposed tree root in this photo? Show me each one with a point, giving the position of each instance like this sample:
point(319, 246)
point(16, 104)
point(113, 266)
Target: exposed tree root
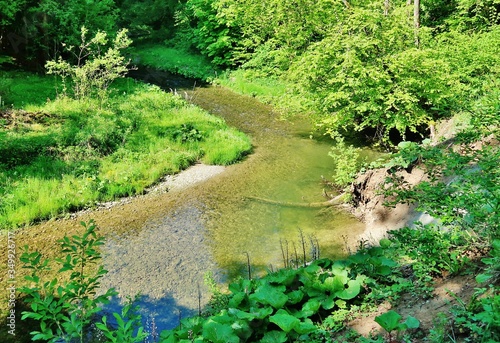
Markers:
point(332, 202)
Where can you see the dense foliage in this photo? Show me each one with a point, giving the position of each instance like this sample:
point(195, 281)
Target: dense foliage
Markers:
point(385, 70)
point(367, 66)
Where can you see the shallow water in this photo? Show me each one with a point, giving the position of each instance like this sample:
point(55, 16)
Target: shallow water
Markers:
point(212, 226)
point(160, 245)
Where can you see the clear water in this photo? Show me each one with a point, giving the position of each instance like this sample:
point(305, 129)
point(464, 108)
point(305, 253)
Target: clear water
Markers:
point(213, 226)
point(160, 246)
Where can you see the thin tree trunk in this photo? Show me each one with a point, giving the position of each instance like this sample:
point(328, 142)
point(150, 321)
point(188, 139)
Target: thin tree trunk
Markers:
point(332, 202)
point(416, 21)
point(386, 7)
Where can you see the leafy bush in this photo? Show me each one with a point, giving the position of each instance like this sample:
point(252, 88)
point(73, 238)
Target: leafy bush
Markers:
point(94, 70)
point(64, 311)
point(346, 162)
point(391, 321)
point(479, 320)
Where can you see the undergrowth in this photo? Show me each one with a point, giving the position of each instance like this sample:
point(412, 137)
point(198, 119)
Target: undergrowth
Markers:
point(314, 303)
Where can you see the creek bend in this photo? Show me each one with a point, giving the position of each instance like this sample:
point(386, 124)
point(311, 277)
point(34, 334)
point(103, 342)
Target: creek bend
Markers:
point(160, 245)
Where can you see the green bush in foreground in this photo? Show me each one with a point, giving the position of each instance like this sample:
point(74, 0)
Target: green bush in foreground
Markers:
point(66, 310)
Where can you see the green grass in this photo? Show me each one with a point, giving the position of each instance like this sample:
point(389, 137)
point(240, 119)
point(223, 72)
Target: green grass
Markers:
point(19, 88)
point(176, 61)
point(76, 153)
point(247, 83)
point(267, 89)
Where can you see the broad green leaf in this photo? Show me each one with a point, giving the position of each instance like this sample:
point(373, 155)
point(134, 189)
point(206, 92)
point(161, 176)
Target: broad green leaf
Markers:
point(237, 299)
point(261, 313)
point(272, 295)
point(283, 277)
point(352, 291)
point(305, 327)
point(284, 320)
point(241, 314)
point(384, 261)
point(383, 270)
point(310, 307)
point(219, 333)
point(333, 284)
point(412, 323)
point(242, 329)
point(274, 337)
point(389, 321)
point(327, 302)
point(295, 296)
point(385, 243)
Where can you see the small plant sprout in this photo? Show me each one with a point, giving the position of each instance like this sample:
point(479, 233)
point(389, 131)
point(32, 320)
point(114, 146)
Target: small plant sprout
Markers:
point(391, 321)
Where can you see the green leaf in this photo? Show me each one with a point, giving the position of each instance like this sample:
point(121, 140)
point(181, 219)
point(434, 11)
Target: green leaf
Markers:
point(412, 323)
point(385, 243)
point(352, 291)
point(333, 284)
point(241, 314)
point(274, 337)
point(305, 327)
point(261, 313)
point(219, 333)
point(272, 295)
point(295, 297)
point(389, 321)
point(481, 278)
point(327, 302)
point(284, 320)
point(341, 303)
point(311, 307)
point(237, 299)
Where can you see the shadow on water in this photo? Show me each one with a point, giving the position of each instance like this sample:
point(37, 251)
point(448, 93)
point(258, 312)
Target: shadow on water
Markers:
point(157, 314)
point(168, 81)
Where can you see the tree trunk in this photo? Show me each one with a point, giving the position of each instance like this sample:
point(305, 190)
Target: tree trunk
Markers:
point(332, 202)
point(416, 20)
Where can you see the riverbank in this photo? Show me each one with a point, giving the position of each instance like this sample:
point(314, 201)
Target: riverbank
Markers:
point(63, 155)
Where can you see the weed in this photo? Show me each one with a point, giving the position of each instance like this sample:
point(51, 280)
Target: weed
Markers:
point(391, 321)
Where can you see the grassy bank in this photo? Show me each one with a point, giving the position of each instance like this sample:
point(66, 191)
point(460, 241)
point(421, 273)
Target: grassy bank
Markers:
point(60, 155)
point(176, 61)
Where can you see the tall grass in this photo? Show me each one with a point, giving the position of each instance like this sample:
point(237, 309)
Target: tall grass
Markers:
point(267, 89)
point(86, 153)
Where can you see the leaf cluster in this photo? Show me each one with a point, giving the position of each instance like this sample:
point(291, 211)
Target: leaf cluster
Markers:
point(290, 304)
point(94, 69)
point(65, 310)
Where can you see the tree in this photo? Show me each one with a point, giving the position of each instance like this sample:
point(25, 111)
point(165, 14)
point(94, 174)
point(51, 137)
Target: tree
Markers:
point(95, 69)
point(367, 75)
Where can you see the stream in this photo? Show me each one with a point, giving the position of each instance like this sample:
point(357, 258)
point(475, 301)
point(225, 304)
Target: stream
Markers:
point(160, 246)
point(212, 226)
